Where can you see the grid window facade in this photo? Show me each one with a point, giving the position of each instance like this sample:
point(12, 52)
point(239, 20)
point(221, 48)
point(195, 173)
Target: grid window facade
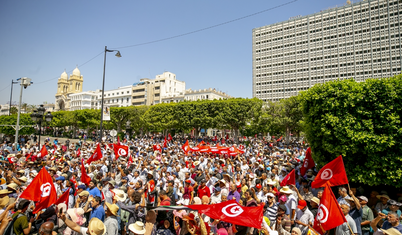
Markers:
point(361, 40)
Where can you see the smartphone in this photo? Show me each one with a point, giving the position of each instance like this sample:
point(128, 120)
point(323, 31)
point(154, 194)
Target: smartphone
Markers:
point(61, 211)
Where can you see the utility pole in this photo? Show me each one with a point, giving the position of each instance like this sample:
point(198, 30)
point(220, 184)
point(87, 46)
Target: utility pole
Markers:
point(11, 96)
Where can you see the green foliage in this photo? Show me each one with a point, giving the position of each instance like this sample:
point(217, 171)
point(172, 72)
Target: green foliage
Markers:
point(25, 119)
point(361, 122)
point(13, 110)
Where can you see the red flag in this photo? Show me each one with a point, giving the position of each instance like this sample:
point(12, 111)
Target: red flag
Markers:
point(63, 198)
point(78, 152)
point(118, 139)
point(157, 147)
point(308, 162)
point(103, 196)
point(165, 143)
point(12, 159)
point(329, 214)
point(41, 190)
point(186, 147)
point(97, 155)
point(170, 137)
point(279, 139)
point(227, 136)
point(84, 177)
point(28, 157)
point(215, 138)
point(334, 173)
point(232, 212)
point(43, 152)
point(290, 179)
point(75, 185)
point(120, 150)
point(130, 160)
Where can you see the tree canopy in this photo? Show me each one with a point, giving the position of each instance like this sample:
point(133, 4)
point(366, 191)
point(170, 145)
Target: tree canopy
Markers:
point(361, 122)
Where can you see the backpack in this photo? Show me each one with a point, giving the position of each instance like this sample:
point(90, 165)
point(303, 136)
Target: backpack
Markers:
point(10, 227)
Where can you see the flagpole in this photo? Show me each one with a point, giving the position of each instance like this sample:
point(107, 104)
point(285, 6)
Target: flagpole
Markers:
point(351, 232)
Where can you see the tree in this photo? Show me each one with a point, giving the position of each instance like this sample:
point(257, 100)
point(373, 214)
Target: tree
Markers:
point(25, 119)
point(235, 113)
point(361, 122)
point(160, 117)
point(13, 110)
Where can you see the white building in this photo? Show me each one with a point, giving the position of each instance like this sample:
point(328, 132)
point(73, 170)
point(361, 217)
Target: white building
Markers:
point(360, 40)
point(120, 97)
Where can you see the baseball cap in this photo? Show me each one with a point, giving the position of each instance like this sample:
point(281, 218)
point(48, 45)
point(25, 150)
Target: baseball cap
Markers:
point(61, 178)
point(188, 181)
point(270, 195)
point(363, 198)
point(283, 198)
point(84, 193)
point(81, 186)
point(217, 189)
point(302, 204)
point(258, 186)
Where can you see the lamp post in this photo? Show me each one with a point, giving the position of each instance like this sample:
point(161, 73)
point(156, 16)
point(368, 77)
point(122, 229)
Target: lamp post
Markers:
point(25, 82)
point(103, 89)
point(11, 96)
point(37, 117)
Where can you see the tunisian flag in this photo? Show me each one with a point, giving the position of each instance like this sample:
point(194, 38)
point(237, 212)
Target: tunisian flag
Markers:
point(186, 147)
point(290, 179)
point(308, 162)
point(165, 143)
point(157, 147)
point(97, 155)
point(41, 190)
point(120, 150)
point(63, 198)
point(170, 137)
point(229, 211)
point(329, 214)
point(43, 152)
point(334, 173)
point(78, 153)
point(84, 177)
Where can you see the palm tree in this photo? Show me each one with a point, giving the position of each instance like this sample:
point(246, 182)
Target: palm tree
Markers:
point(14, 110)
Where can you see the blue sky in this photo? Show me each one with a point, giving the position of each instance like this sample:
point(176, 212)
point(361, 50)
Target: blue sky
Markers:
point(40, 39)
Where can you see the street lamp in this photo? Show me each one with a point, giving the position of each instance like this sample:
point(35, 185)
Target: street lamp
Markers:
point(37, 117)
point(11, 96)
point(103, 88)
point(25, 82)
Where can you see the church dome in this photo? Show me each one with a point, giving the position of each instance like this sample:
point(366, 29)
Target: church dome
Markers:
point(64, 75)
point(76, 72)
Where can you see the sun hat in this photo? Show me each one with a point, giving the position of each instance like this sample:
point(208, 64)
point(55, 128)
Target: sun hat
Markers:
point(96, 227)
point(286, 190)
point(84, 193)
point(316, 200)
point(4, 201)
point(197, 201)
point(12, 186)
point(5, 191)
point(112, 208)
point(297, 230)
point(137, 227)
point(391, 231)
point(384, 196)
point(270, 182)
point(77, 215)
point(119, 195)
point(270, 195)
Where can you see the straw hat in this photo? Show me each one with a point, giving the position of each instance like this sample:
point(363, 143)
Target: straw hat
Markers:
point(286, 190)
point(138, 227)
point(4, 201)
point(316, 200)
point(23, 178)
point(112, 208)
point(119, 195)
point(77, 215)
point(391, 231)
point(270, 182)
point(96, 227)
point(384, 196)
point(12, 186)
point(5, 191)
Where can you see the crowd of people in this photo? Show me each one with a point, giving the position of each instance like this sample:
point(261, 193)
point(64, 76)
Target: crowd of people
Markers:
point(122, 195)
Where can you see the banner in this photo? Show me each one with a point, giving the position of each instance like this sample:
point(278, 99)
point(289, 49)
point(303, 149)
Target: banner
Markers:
point(106, 113)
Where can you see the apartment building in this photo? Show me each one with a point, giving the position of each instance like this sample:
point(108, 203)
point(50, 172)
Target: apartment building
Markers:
point(359, 40)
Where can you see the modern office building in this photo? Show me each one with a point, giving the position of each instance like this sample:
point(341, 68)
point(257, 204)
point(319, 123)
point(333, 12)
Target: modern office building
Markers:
point(359, 40)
